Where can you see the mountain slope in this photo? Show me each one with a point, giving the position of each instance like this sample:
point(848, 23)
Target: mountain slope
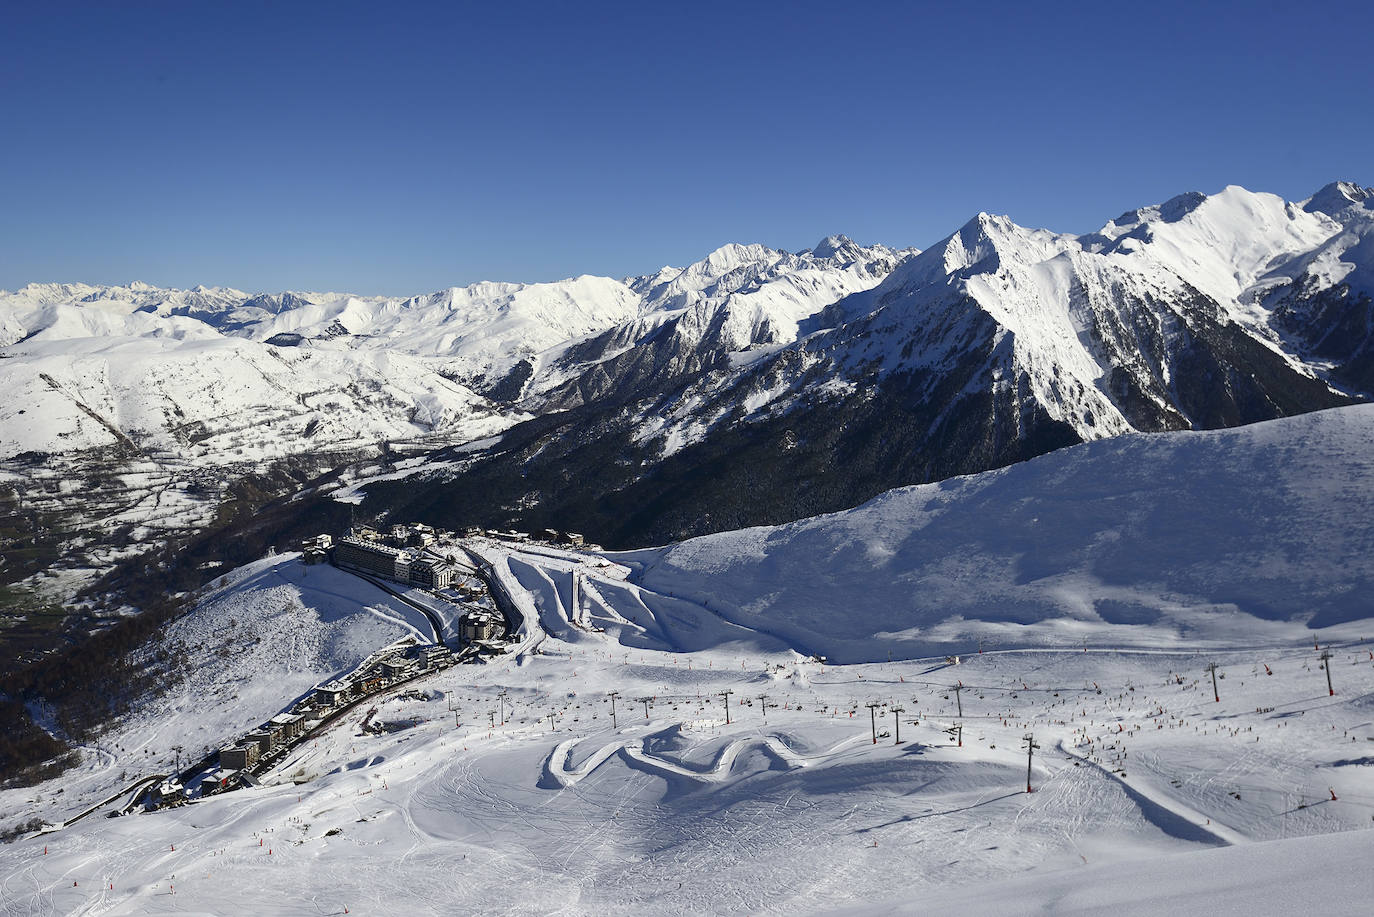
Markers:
point(1236, 536)
point(994, 345)
point(753, 386)
point(140, 417)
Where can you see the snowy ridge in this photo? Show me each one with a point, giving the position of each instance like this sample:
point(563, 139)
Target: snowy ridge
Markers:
point(388, 364)
point(1138, 540)
point(1088, 329)
point(1103, 333)
point(737, 304)
point(1220, 243)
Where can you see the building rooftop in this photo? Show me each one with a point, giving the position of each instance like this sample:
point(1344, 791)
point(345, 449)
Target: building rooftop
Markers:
point(373, 546)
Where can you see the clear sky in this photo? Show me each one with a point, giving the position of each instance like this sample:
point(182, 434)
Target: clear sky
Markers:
point(397, 148)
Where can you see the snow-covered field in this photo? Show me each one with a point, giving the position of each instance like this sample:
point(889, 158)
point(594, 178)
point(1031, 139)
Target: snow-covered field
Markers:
point(740, 775)
point(1147, 792)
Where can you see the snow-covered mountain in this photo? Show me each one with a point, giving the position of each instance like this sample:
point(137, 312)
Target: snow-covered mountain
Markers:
point(1165, 319)
point(140, 393)
point(180, 367)
point(753, 386)
point(1225, 537)
point(709, 316)
point(994, 345)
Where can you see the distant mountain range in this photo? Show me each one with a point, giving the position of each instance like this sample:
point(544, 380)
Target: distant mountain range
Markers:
point(997, 344)
point(753, 386)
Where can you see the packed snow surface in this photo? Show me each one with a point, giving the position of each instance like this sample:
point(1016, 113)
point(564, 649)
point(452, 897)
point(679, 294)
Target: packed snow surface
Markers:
point(737, 774)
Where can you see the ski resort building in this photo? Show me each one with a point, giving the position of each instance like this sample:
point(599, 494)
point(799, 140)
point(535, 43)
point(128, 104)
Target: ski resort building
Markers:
point(435, 656)
point(263, 739)
point(288, 725)
point(316, 550)
point(332, 695)
point(168, 792)
point(481, 625)
point(219, 779)
point(432, 574)
point(415, 536)
point(372, 557)
point(238, 757)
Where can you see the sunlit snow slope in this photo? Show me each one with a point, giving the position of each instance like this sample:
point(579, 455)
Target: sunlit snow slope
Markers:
point(1238, 536)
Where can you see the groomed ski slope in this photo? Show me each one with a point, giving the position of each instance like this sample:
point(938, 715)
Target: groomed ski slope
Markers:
point(1150, 794)
point(1141, 780)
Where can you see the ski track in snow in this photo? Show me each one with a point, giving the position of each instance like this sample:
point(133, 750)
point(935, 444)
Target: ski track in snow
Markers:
point(556, 765)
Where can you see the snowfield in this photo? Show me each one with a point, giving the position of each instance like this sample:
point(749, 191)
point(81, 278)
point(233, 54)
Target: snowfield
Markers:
point(1220, 538)
point(740, 775)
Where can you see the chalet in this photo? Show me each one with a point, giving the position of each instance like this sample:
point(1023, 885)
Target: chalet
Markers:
point(316, 550)
point(168, 792)
point(413, 536)
point(218, 780)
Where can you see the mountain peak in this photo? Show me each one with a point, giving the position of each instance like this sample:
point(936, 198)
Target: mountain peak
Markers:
point(1337, 196)
point(834, 245)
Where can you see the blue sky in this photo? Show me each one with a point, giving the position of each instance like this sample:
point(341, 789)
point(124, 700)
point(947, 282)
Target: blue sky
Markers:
point(404, 147)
